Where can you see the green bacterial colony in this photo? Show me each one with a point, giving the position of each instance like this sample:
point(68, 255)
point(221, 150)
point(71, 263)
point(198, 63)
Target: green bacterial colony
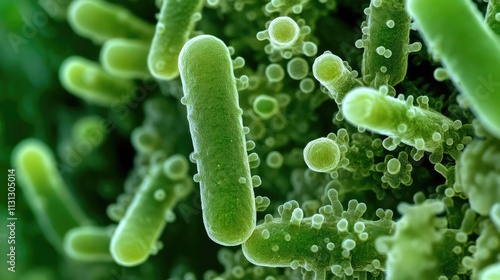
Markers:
point(270, 140)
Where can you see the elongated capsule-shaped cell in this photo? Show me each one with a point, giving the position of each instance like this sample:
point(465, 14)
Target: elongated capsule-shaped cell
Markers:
point(137, 233)
point(125, 58)
point(175, 24)
point(101, 21)
point(417, 126)
point(87, 80)
point(215, 122)
point(55, 209)
point(88, 244)
point(386, 37)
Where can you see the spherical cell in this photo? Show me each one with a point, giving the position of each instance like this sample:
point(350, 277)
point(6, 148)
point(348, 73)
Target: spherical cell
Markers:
point(393, 166)
point(265, 106)
point(322, 155)
point(307, 85)
point(176, 167)
point(297, 68)
point(274, 159)
point(283, 31)
point(275, 73)
point(327, 68)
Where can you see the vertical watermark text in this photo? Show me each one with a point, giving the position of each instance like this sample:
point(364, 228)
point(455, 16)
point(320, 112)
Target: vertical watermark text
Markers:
point(11, 220)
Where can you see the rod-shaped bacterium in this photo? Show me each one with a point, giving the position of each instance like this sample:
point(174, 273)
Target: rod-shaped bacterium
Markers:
point(88, 244)
point(334, 239)
point(416, 126)
point(386, 37)
point(137, 233)
point(101, 21)
point(215, 122)
point(455, 32)
point(48, 196)
point(87, 80)
point(175, 24)
point(125, 58)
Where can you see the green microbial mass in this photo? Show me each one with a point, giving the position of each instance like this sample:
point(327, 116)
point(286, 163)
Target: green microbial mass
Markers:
point(218, 138)
point(250, 139)
point(478, 173)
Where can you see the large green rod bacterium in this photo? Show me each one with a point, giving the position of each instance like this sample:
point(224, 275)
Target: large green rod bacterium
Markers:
point(454, 30)
point(216, 128)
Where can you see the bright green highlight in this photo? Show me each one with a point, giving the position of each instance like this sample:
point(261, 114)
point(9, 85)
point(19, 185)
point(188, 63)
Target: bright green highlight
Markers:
point(87, 80)
point(88, 244)
point(125, 58)
point(173, 29)
point(138, 232)
point(216, 127)
point(46, 193)
point(455, 33)
point(101, 21)
point(491, 272)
